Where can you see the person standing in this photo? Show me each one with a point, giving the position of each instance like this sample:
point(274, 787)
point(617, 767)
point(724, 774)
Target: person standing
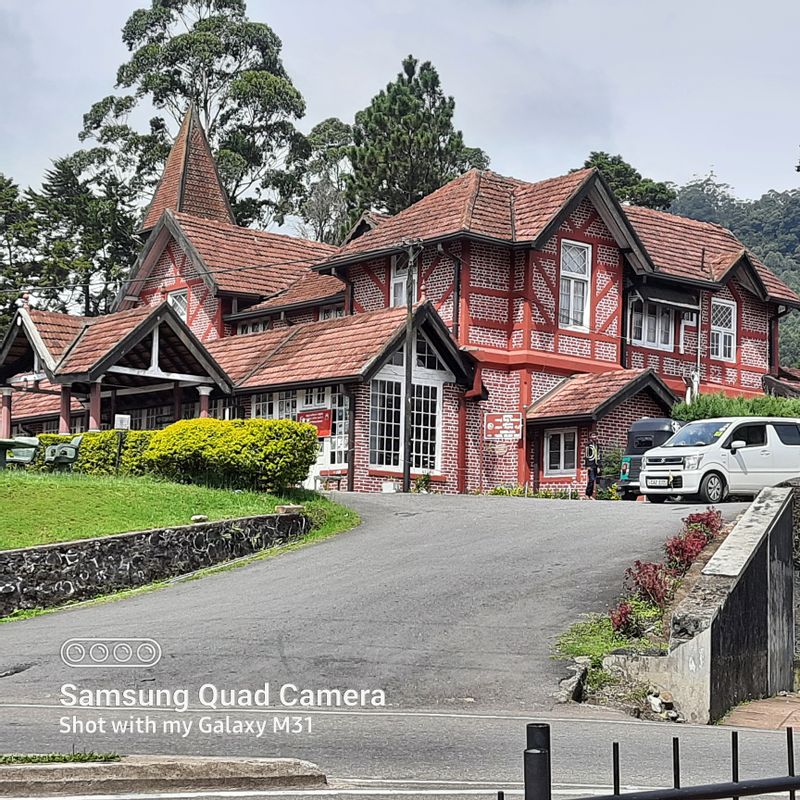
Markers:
point(593, 461)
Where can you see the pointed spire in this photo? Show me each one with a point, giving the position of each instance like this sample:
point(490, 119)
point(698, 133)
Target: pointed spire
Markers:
point(190, 182)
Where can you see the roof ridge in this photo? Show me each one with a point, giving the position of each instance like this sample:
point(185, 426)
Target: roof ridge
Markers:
point(469, 207)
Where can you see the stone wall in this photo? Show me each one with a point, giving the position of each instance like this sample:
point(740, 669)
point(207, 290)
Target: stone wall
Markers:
point(732, 637)
point(50, 575)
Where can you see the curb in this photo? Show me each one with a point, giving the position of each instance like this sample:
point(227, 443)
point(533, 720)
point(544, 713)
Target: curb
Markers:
point(136, 774)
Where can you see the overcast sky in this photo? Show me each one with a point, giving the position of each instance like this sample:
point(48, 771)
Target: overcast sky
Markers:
point(678, 87)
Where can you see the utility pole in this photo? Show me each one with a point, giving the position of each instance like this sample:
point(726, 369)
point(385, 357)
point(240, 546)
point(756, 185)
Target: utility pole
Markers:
point(413, 248)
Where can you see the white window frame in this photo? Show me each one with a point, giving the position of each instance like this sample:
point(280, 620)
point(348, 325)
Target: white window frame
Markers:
point(573, 278)
point(399, 282)
point(642, 341)
point(546, 452)
point(331, 312)
point(171, 299)
point(420, 376)
point(722, 332)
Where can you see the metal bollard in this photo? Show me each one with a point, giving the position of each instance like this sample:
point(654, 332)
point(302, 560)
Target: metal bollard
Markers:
point(537, 762)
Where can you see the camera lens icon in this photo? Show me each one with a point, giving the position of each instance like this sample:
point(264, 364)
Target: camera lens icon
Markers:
point(113, 653)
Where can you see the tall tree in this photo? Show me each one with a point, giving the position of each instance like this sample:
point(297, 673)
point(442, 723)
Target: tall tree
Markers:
point(86, 237)
point(405, 145)
point(323, 209)
point(209, 53)
point(628, 183)
point(17, 247)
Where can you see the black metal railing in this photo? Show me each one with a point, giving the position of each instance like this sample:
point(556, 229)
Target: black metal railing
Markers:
point(538, 779)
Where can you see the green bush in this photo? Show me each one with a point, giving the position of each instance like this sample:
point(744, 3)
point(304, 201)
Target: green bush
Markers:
point(263, 453)
point(717, 404)
point(97, 455)
point(133, 460)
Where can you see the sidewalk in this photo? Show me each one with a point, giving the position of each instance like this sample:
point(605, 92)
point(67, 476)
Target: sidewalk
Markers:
point(771, 714)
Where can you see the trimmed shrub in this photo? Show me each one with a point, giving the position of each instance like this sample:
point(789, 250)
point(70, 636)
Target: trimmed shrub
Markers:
point(98, 454)
point(253, 453)
point(133, 460)
point(717, 404)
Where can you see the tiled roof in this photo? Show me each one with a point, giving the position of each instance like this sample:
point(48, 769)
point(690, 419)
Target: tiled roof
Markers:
point(480, 202)
point(190, 182)
point(247, 261)
point(57, 330)
point(309, 288)
point(701, 251)
point(26, 405)
point(99, 336)
point(338, 348)
point(581, 395)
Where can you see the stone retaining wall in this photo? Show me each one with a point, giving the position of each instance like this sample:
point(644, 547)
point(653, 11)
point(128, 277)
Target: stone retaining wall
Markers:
point(50, 575)
point(731, 638)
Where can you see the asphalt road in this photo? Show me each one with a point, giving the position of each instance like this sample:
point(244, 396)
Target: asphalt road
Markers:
point(447, 604)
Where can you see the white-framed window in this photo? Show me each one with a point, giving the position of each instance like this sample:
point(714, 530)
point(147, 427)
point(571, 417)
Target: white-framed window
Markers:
point(224, 408)
point(425, 410)
point(253, 327)
point(78, 424)
point(652, 325)
point(399, 277)
point(314, 398)
point(50, 426)
point(560, 451)
point(574, 287)
point(331, 312)
point(426, 356)
point(190, 410)
point(340, 423)
point(722, 340)
point(180, 302)
point(275, 405)
point(151, 418)
point(385, 423)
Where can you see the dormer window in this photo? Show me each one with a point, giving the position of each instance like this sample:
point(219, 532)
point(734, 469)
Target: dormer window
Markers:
point(576, 273)
point(180, 302)
point(722, 342)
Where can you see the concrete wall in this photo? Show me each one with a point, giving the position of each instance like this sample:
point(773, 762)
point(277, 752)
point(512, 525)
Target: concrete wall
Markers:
point(732, 636)
point(47, 576)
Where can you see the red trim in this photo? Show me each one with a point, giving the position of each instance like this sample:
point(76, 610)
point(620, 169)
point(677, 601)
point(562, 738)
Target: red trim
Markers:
point(466, 277)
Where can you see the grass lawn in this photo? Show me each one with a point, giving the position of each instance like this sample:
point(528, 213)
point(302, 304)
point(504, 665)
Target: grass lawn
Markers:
point(44, 508)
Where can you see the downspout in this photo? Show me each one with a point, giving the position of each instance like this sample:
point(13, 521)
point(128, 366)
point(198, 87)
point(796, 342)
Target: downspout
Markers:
point(457, 262)
point(774, 356)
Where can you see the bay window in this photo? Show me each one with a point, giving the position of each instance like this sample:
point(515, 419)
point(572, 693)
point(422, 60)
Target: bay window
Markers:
point(722, 340)
point(574, 291)
point(560, 451)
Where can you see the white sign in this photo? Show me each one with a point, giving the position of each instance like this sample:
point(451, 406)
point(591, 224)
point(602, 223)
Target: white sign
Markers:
point(122, 422)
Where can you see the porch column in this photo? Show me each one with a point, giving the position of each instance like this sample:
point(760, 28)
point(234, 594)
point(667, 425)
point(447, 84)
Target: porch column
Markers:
point(204, 392)
point(5, 412)
point(94, 407)
point(177, 402)
point(64, 410)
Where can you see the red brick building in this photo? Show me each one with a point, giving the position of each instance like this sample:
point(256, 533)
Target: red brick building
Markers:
point(549, 302)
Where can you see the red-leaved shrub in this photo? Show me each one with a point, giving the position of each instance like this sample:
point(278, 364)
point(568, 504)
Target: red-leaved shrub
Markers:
point(650, 582)
point(624, 621)
point(709, 520)
point(683, 550)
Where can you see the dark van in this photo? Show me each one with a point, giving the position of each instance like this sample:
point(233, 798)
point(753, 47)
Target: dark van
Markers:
point(643, 435)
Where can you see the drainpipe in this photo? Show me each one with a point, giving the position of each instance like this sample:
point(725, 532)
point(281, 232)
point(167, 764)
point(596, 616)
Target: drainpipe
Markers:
point(351, 438)
point(457, 262)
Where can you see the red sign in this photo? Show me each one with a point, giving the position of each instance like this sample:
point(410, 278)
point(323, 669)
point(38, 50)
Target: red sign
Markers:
point(502, 427)
point(319, 417)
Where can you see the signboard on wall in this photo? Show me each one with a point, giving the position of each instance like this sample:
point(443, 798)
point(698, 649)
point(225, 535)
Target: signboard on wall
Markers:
point(502, 427)
point(320, 418)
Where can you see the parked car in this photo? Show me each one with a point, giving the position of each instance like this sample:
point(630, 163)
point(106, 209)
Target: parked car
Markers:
point(716, 457)
point(643, 435)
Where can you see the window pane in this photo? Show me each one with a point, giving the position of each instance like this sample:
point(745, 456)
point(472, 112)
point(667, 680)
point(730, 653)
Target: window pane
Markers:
point(398, 293)
point(788, 432)
point(651, 324)
point(574, 259)
point(565, 299)
point(636, 321)
point(384, 438)
point(554, 452)
point(666, 327)
point(578, 302)
point(721, 315)
point(569, 450)
point(424, 429)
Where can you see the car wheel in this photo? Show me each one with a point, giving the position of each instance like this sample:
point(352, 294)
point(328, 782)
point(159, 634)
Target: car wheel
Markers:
point(712, 488)
point(656, 498)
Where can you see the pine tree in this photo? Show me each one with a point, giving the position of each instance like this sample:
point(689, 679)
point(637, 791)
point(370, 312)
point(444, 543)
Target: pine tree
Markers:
point(405, 145)
point(17, 247)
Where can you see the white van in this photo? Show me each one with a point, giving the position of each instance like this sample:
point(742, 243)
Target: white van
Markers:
point(716, 457)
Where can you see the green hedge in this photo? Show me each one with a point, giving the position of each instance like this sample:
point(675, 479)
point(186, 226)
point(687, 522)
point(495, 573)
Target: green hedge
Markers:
point(262, 453)
point(718, 404)
point(98, 452)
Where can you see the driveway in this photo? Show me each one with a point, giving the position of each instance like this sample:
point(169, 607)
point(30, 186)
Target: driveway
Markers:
point(443, 602)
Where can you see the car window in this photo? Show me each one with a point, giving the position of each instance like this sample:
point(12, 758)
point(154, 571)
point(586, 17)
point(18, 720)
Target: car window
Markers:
point(698, 434)
point(788, 432)
point(751, 435)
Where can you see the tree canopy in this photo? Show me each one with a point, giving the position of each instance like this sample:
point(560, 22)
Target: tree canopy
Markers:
point(209, 53)
point(405, 145)
point(628, 184)
point(18, 241)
